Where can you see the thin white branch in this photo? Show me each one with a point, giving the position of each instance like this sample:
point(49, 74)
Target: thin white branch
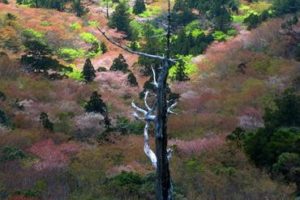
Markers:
point(145, 101)
point(154, 77)
point(169, 153)
point(149, 153)
point(138, 108)
point(125, 48)
point(171, 107)
point(137, 116)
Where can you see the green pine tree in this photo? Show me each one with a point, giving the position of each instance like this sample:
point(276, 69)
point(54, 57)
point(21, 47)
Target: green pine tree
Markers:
point(180, 74)
point(88, 71)
point(119, 64)
point(132, 80)
point(79, 9)
point(96, 104)
point(120, 19)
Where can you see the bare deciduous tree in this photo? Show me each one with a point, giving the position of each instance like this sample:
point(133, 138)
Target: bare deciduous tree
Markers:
point(157, 114)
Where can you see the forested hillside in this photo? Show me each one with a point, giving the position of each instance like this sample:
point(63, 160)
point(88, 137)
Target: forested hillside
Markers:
point(81, 89)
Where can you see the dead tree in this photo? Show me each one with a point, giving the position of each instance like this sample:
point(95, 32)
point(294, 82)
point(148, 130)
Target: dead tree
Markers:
point(157, 114)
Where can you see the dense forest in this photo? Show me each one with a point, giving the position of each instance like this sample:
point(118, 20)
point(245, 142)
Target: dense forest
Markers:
point(149, 99)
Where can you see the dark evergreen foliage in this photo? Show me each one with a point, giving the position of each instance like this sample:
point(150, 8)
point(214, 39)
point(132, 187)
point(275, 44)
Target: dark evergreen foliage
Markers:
point(45, 121)
point(96, 104)
point(4, 120)
point(2, 96)
point(103, 47)
point(180, 74)
point(9, 153)
point(139, 7)
point(276, 146)
point(153, 45)
point(37, 57)
point(120, 19)
point(79, 9)
point(132, 80)
point(88, 71)
point(286, 6)
point(187, 43)
point(119, 64)
point(253, 20)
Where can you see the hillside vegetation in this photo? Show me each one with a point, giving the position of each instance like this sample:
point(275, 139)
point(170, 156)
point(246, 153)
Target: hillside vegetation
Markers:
point(66, 124)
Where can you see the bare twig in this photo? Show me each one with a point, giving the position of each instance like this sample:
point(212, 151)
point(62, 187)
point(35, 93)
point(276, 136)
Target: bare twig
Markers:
point(135, 52)
point(171, 107)
point(145, 101)
point(154, 78)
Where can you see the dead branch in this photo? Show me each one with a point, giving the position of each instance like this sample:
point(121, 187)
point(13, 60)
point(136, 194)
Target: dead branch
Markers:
point(125, 48)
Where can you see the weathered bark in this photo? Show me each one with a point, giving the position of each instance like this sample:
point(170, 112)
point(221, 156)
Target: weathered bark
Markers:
point(163, 185)
point(160, 160)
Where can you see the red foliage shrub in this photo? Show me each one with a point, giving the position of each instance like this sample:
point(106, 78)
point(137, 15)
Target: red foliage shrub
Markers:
point(199, 145)
point(52, 156)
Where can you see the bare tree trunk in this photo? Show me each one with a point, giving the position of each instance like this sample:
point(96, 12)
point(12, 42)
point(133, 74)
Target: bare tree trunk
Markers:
point(159, 159)
point(163, 185)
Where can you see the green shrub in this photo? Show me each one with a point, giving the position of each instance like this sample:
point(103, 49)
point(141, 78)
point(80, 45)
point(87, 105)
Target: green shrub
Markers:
point(93, 23)
point(220, 36)
point(286, 6)
point(70, 54)
point(9, 153)
point(188, 69)
point(4, 120)
point(151, 11)
point(46, 23)
point(32, 34)
point(36, 191)
point(276, 146)
point(89, 38)
point(125, 126)
point(74, 73)
point(75, 26)
point(133, 184)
